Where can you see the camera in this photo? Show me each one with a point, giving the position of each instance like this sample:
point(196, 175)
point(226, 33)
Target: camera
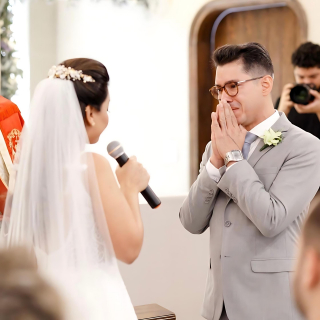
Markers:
point(300, 93)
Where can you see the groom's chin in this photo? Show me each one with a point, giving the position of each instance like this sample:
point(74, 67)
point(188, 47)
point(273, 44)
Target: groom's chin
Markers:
point(239, 118)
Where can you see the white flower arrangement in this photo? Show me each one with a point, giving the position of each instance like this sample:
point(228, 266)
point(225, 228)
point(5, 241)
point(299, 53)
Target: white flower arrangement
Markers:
point(64, 73)
point(271, 138)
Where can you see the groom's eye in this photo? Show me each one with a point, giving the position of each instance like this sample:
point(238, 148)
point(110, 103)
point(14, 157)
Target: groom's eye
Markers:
point(232, 85)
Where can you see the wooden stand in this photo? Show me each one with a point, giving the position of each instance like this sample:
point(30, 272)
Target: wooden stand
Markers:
point(153, 311)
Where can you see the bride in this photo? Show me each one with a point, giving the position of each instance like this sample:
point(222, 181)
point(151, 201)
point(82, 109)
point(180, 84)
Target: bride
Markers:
point(65, 204)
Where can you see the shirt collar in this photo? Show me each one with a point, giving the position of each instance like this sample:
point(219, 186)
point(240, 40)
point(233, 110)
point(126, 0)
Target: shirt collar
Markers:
point(265, 125)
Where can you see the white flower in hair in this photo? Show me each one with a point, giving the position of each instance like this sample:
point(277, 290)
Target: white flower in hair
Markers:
point(52, 72)
point(86, 78)
point(74, 74)
point(64, 73)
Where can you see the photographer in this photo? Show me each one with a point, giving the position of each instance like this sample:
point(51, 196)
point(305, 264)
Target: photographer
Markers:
point(306, 62)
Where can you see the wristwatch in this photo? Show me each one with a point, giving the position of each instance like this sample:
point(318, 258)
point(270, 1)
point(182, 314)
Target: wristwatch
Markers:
point(234, 155)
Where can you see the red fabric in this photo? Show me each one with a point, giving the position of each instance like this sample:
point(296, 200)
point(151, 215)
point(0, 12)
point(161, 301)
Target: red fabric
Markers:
point(11, 124)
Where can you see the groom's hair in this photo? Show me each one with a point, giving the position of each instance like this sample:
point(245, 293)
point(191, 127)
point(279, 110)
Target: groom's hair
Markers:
point(254, 57)
point(90, 93)
point(311, 229)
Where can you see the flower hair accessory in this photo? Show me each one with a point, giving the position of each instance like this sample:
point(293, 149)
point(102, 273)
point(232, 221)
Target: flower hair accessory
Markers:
point(64, 73)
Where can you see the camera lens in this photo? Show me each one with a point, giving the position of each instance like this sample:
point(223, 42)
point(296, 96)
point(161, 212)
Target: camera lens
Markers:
point(300, 94)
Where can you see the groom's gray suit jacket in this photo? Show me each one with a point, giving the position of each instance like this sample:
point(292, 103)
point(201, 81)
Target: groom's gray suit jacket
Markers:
point(255, 214)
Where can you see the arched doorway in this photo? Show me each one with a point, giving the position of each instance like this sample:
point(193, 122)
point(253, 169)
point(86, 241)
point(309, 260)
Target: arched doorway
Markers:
point(279, 25)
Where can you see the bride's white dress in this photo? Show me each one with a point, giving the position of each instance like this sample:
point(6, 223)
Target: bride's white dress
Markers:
point(96, 291)
point(54, 208)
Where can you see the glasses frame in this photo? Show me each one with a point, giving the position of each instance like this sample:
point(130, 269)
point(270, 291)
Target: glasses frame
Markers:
point(235, 82)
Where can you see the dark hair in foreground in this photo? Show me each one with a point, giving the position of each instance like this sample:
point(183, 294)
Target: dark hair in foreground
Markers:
point(311, 229)
point(90, 93)
point(306, 56)
point(254, 56)
point(24, 294)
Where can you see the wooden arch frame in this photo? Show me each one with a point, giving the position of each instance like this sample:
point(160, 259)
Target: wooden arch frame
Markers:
point(199, 46)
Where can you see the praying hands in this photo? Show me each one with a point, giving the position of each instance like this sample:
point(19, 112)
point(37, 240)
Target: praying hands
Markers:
point(226, 134)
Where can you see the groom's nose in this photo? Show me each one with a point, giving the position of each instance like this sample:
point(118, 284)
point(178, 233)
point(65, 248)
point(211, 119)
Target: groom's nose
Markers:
point(225, 96)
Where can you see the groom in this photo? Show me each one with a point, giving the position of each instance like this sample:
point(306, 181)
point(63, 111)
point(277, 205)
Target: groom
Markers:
point(253, 201)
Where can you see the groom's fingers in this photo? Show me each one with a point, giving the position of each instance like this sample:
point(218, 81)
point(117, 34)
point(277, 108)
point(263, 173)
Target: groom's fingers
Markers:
point(222, 118)
point(232, 116)
point(215, 127)
point(227, 114)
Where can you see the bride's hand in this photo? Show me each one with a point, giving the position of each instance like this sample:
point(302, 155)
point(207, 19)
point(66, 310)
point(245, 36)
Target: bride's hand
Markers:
point(133, 176)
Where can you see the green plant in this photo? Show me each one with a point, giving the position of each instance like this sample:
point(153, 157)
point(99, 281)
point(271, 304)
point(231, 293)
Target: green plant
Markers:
point(9, 69)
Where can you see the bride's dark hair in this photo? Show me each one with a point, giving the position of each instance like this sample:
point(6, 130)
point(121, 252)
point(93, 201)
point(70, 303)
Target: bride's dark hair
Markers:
point(90, 93)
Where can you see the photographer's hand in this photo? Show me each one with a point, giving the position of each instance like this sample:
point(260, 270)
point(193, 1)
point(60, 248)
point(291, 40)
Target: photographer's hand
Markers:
point(312, 107)
point(285, 102)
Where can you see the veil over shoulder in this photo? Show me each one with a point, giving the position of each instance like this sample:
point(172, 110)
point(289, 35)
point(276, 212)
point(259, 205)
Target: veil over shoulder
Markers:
point(54, 208)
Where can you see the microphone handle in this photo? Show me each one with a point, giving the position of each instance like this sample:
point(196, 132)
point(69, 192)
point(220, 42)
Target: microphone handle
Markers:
point(152, 199)
point(122, 159)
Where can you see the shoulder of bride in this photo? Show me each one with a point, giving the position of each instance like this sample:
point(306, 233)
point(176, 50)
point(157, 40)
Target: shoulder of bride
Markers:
point(271, 138)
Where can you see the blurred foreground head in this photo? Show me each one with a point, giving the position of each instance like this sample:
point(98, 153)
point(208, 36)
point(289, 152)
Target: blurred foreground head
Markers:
point(24, 294)
point(307, 275)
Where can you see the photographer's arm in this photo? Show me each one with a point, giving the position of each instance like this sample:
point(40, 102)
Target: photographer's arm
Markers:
point(286, 104)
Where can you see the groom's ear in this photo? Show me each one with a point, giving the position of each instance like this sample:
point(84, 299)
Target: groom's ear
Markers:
point(267, 84)
point(89, 116)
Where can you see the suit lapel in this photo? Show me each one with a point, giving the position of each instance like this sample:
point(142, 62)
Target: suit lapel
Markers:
point(257, 154)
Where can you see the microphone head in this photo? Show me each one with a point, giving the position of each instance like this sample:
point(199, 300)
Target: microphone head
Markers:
point(115, 149)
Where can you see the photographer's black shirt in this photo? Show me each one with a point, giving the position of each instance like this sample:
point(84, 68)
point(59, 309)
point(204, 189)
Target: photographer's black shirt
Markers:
point(306, 121)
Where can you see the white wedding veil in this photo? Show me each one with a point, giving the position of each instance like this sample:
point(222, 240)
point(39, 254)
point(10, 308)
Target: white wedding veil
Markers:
point(54, 208)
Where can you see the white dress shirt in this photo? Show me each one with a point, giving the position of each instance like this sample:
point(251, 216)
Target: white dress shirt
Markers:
point(259, 131)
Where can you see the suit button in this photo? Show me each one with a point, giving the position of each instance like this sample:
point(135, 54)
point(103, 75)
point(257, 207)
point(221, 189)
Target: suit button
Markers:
point(227, 224)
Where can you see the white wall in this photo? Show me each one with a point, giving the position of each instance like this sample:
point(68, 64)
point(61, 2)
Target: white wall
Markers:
point(173, 264)
point(42, 39)
point(146, 56)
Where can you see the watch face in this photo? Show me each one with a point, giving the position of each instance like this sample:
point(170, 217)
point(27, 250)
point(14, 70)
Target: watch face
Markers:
point(237, 155)
point(234, 155)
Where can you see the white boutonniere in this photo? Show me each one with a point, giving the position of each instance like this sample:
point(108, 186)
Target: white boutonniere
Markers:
point(271, 138)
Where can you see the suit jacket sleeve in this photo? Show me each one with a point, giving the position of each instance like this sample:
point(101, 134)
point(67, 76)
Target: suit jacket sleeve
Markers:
point(196, 210)
point(290, 194)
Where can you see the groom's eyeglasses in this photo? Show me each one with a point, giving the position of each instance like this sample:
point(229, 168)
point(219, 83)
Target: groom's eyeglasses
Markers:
point(231, 88)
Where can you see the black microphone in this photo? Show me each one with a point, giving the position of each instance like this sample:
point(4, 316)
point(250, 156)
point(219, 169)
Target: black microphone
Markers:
point(115, 150)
